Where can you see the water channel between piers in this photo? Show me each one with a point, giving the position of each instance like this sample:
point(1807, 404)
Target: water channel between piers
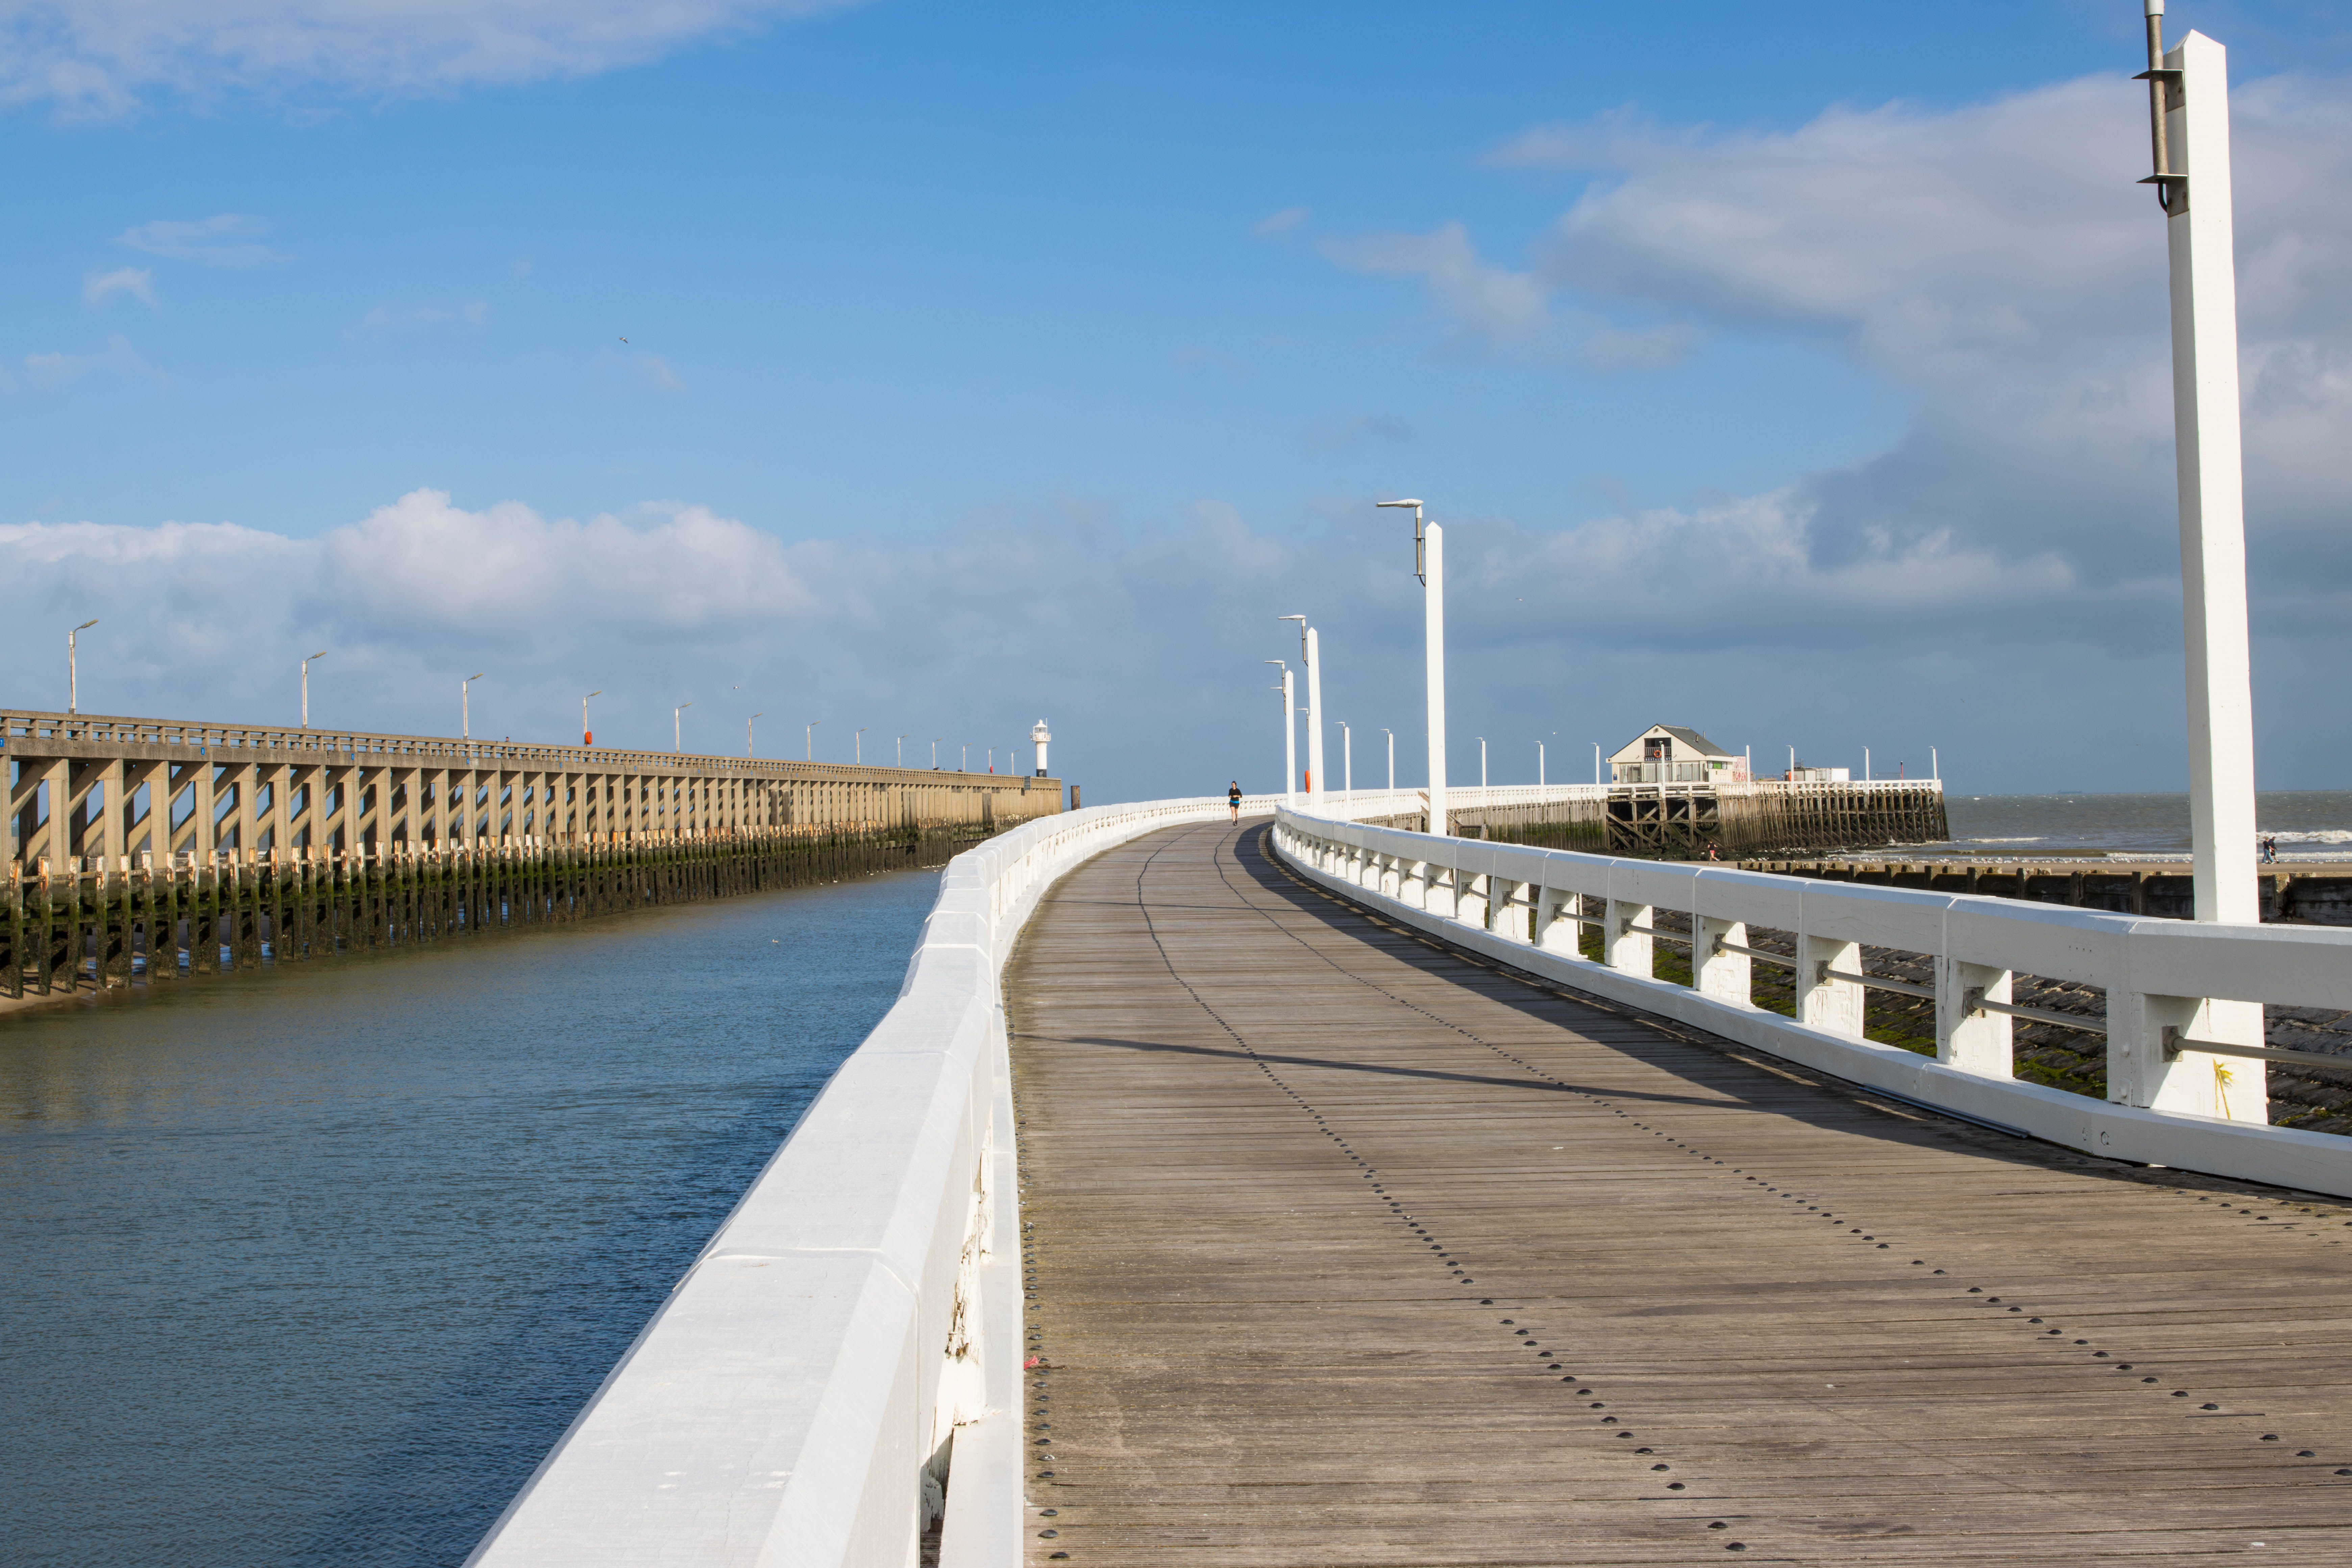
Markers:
point(1342, 1247)
point(312, 1264)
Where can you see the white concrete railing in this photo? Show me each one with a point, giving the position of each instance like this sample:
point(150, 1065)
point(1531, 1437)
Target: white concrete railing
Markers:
point(791, 1401)
point(2166, 981)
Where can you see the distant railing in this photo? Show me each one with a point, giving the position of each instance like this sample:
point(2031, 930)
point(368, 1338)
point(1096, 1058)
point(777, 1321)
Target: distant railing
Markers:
point(2183, 1020)
point(35, 732)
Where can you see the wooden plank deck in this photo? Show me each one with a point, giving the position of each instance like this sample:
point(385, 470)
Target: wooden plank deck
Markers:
point(1344, 1249)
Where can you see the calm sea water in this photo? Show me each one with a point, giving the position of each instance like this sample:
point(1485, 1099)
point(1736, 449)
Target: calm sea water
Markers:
point(310, 1267)
point(2311, 825)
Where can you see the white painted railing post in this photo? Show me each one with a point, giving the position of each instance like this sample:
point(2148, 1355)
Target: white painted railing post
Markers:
point(1726, 976)
point(1822, 1002)
point(1556, 920)
point(1972, 1041)
point(1627, 949)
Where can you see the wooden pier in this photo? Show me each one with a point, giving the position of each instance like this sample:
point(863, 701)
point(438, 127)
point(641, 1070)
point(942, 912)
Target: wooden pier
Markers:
point(1681, 820)
point(159, 845)
point(1342, 1247)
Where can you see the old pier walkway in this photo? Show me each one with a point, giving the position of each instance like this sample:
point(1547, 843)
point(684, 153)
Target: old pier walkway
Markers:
point(1340, 1246)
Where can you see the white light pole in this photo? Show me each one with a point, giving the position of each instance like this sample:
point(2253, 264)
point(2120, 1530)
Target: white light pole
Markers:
point(465, 705)
point(1482, 762)
point(2189, 115)
point(935, 752)
point(1347, 762)
point(1289, 738)
point(1596, 762)
point(1429, 565)
point(750, 746)
point(963, 763)
point(1935, 767)
point(588, 736)
point(1866, 764)
point(1392, 735)
point(678, 726)
point(808, 739)
point(2188, 106)
point(1311, 654)
point(306, 687)
point(902, 750)
point(858, 743)
point(73, 668)
point(1539, 765)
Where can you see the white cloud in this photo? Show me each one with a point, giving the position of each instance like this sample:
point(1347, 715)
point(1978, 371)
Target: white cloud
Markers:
point(224, 239)
point(657, 371)
point(139, 282)
point(107, 57)
point(1476, 298)
point(1281, 222)
point(54, 368)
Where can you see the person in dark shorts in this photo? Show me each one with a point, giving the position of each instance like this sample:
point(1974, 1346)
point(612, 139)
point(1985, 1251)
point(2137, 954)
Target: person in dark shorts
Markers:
point(1233, 798)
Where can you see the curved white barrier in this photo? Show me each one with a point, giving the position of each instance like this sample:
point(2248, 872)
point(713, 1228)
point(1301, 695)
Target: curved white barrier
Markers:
point(2166, 981)
point(792, 1399)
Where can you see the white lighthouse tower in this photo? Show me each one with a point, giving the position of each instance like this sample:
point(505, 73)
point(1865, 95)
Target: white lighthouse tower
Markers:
point(1041, 736)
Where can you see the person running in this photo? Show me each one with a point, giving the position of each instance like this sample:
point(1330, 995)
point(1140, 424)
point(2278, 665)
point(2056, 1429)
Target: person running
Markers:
point(1233, 798)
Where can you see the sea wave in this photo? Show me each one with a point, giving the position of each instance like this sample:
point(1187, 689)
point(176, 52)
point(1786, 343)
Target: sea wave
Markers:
point(2034, 839)
point(2316, 836)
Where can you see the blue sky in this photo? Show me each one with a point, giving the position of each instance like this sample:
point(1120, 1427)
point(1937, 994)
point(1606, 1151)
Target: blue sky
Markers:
point(982, 363)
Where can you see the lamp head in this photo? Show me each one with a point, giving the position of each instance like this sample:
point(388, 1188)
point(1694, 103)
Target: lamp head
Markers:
point(477, 675)
point(87, 625)
point(1406, 503)
point(321, 654)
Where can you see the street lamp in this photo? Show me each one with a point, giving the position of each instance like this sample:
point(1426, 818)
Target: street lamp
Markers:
point(588, 736)
point(858, 743)
point(1347, 761)
point(902, 750)
point(1429, 565)
point(749, 748)
point(306, 687)
point(963, 761)
point(1539, 765)
point(465, 705)
point(1392, 735)
point(1311, 654)
point(1289, 737)
point(678, 726)
point(809, 738)
point(73, 672)
point(935, 752)
point(1482, 762)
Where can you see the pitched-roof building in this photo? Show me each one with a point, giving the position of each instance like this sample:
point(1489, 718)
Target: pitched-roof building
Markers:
point(1669, 754)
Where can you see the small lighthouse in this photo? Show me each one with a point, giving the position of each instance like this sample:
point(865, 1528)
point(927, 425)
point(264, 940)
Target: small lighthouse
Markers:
point(1041, 736)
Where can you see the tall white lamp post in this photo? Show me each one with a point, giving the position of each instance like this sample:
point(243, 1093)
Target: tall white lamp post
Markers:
point(588, 736)
point(1289, 737)
point(465, 705)
point(1310, 655)
point(678, 726)
point(1429, 565)
point(1392, 735)
point(1482, 762)
point(306, 687)
point(2188, 113)
point(73, 665)
point(857, 745)
point(1347, 762)
point(1539, 765)
point(902, 750)
point(750, 741)
point(808, 740)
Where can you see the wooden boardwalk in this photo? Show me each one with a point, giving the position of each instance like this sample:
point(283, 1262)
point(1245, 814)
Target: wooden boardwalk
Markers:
point(1344, 1249)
